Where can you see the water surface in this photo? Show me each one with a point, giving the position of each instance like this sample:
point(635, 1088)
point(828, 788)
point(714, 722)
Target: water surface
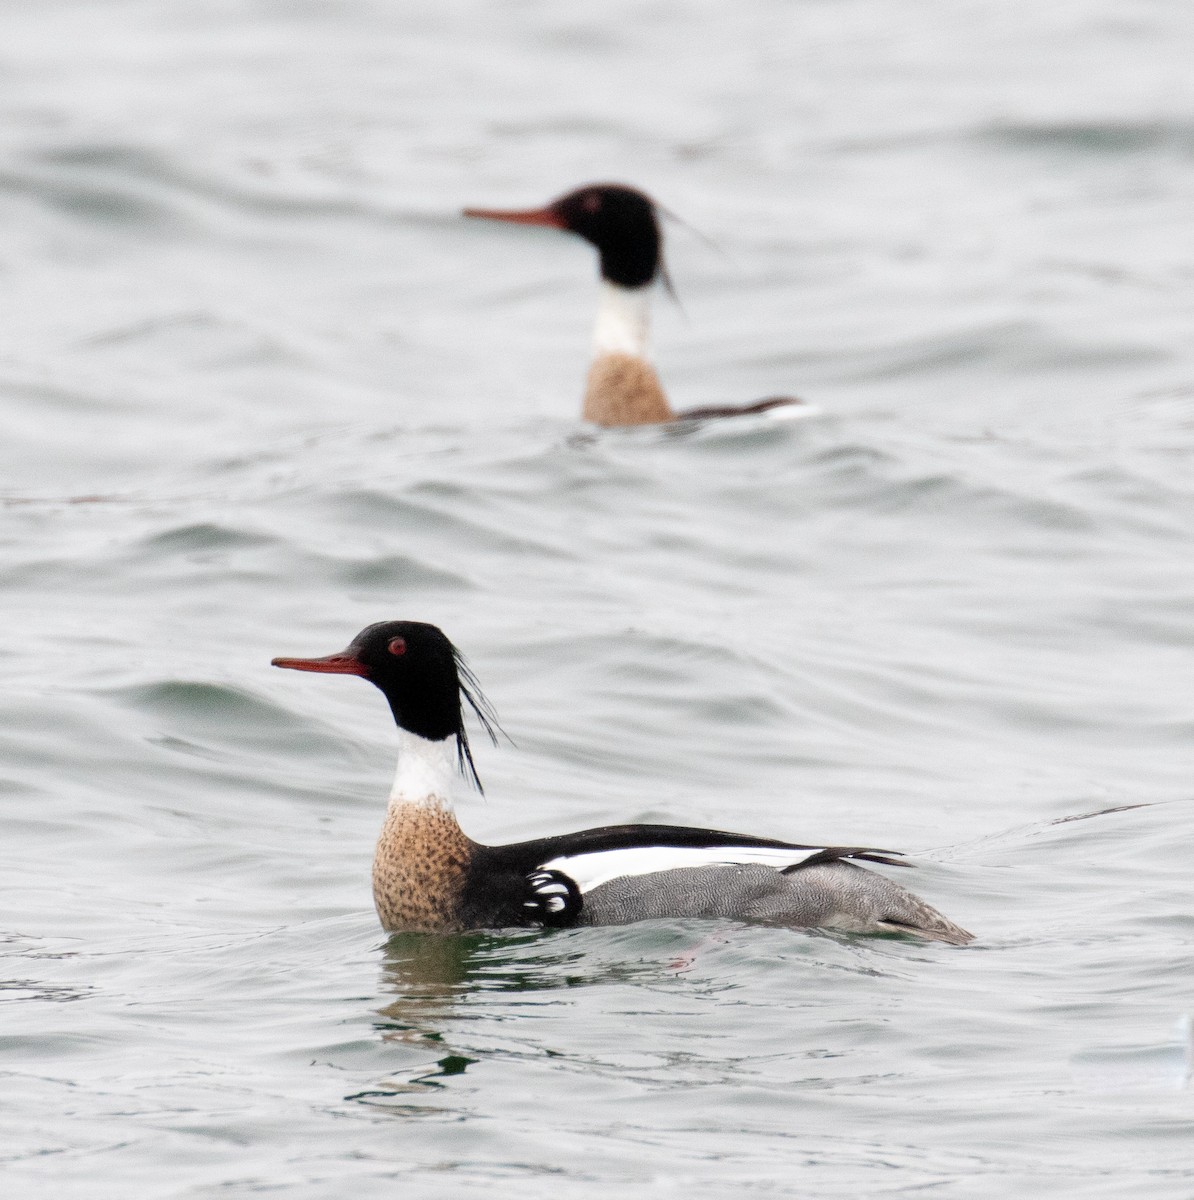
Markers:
point(260, 386)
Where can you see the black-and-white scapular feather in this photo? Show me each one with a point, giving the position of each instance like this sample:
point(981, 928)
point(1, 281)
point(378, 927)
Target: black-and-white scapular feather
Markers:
point(552, 898)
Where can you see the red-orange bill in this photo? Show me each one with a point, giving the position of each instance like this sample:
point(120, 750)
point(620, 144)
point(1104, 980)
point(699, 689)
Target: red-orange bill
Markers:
point(343, 663)
point(519, 216)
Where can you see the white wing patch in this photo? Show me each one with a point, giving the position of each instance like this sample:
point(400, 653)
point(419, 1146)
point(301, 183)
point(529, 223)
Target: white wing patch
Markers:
point(793, 412)
point(592, 870)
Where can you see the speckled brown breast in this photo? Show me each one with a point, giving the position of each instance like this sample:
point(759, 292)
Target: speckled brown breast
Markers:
point(419, 870)
point(623, 389)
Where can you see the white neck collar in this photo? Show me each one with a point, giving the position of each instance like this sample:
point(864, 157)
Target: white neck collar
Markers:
point(426, 772)
point(623, 320)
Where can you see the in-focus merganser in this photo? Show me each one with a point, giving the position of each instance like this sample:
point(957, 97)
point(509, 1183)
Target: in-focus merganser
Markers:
point(428, 876)
point(622, 388)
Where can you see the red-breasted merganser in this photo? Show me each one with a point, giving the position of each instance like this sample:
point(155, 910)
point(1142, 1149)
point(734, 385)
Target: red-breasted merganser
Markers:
point(622, 223)
point(428, 876)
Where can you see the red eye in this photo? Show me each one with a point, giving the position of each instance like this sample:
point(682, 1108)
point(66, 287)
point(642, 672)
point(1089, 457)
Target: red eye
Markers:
point(397, 647)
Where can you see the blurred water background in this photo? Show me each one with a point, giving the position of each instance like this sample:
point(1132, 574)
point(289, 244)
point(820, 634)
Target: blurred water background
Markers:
point(261, 385)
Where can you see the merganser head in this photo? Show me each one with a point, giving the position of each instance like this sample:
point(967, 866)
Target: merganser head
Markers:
point(620, 221)
point(420, 673)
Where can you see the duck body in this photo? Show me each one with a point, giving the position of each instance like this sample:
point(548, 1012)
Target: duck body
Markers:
point(429, 876)
point(622, 387)
point(619, 874)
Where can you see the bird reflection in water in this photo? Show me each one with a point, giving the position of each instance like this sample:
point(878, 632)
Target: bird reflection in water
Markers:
point(430, 976)
point(440, 981)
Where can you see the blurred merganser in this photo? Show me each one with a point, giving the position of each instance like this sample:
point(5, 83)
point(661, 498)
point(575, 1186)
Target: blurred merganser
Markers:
point(429, 876)
point(622, 223)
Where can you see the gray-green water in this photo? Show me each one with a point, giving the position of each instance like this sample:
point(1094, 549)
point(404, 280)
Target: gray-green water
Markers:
point(260, 385)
